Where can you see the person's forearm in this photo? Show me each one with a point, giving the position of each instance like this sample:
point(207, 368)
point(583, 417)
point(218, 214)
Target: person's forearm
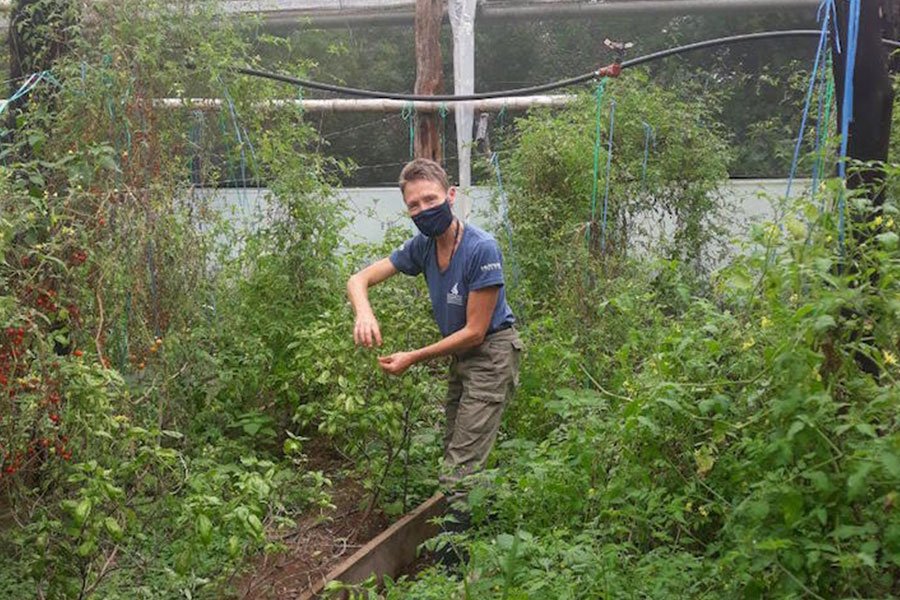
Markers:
point(464, 339)
point(358, 293)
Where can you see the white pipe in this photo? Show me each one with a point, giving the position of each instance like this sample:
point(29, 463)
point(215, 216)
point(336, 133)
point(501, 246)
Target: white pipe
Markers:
point(376, 105)
point(335, 13)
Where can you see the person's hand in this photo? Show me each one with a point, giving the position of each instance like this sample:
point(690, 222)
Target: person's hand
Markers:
point(366, 331)
point(396, 364)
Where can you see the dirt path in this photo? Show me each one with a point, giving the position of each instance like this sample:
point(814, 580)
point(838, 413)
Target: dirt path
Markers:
point(321, 540)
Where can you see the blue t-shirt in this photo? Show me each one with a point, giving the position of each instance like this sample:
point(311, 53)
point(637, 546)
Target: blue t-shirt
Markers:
point(476, 264)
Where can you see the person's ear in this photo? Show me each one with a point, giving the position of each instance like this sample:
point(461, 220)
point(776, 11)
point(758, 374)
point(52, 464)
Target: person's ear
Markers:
point(451, 195)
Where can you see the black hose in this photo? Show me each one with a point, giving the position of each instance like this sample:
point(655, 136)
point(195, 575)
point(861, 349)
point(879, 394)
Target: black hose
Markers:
point(526, 91)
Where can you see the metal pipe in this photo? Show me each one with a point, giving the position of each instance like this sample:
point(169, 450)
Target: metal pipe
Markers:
point(377, 105)
point(320, 13)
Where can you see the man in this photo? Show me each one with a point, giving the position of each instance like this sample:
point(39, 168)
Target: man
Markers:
point(462, 266)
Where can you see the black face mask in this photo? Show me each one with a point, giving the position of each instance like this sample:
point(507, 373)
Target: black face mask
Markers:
point(434, 221)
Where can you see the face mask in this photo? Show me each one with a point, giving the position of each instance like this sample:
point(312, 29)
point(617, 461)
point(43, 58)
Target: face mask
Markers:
point(434, 221)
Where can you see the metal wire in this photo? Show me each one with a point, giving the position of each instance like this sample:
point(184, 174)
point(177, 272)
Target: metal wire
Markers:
point(712, 43)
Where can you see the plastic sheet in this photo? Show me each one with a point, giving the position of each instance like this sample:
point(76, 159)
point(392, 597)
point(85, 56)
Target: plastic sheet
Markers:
point(462, 22)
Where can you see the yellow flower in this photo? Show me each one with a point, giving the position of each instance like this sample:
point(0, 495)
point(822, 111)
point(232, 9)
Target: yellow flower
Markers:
point(765, 322)
point(703, 511)
point(748, 344)
point(889, 358)
point(890, 222)
point(877, 221)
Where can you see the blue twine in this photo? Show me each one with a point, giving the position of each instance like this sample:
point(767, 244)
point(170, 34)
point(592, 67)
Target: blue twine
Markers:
point(823, 40)
point(195, 137)
point(26, 88)
point(828, 10)
point(504, 213)
point(154, 293)
point(243, 140)
point(847, 108)
point(649, 134)
point(612, 125)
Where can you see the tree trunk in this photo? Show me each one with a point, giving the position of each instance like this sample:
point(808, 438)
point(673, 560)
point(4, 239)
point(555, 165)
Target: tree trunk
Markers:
point(429, 75)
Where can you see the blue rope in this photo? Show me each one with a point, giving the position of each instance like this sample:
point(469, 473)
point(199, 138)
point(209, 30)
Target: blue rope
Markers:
point(823, 40)
point(243, 139)
point(25, 88)
point(649, 135)
point(612, 126)
point(828, 9)
point(507, 225)
point(847, 108)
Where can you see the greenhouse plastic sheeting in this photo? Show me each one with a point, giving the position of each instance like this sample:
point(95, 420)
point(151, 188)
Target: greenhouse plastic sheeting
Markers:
point(462, 21)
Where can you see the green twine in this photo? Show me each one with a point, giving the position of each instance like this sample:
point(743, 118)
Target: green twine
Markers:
point(597, 142)
point(123, 328)
point(442, 110)
point(829, 102)
point(409, 115)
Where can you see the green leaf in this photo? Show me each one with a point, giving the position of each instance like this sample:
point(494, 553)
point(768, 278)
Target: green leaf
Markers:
point(82, 510)
point(824, 323)
point(773, 544)
point(87, 548)
point(795, 428)
point(819, 480)
point(866, 429)
point(891, 463)
point(256, 525)
point(113, 527)
point(888, 240)
point(204, 528)
point(856, 483)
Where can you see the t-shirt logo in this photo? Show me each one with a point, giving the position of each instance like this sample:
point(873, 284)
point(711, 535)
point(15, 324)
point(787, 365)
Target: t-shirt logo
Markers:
point(454, 297)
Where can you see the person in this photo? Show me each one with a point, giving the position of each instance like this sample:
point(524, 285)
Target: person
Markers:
point(463, 268)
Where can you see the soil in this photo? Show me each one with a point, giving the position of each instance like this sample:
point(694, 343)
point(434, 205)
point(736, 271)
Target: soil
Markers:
point(320, 541)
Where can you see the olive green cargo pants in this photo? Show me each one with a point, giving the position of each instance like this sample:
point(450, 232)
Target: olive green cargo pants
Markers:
point(482, 382)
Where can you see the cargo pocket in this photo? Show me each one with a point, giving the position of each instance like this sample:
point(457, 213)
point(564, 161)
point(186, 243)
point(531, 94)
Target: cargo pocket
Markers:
point(518, 348)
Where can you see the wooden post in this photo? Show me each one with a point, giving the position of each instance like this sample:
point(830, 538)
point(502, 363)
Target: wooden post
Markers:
point(429, 75)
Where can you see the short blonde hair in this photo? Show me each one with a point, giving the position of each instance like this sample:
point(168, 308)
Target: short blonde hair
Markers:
point(423, 169)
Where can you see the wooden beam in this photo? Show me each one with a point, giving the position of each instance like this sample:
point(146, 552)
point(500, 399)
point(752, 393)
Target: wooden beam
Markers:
point(429, 76)
point(389, 553)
